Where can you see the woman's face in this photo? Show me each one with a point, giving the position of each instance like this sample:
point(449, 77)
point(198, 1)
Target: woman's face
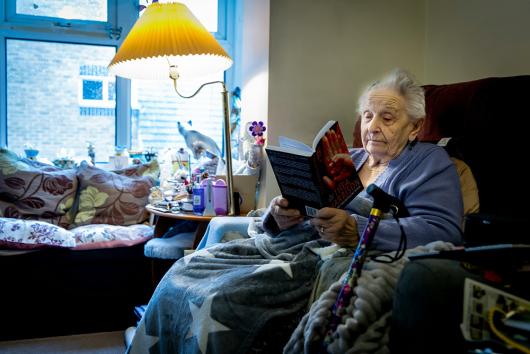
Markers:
point(385, 125)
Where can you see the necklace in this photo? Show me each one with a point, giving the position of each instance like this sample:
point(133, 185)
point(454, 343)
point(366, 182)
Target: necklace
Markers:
point(369, 174)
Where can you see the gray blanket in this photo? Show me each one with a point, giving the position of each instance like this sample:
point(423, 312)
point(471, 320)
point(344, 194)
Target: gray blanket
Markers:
point(216, 300)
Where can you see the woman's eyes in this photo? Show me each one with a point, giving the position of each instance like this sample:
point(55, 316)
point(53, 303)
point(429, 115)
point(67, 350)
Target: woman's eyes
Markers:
point(368, 115)
point(387, 117)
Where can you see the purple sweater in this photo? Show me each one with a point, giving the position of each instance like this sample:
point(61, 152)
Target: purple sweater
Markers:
point(425, 179)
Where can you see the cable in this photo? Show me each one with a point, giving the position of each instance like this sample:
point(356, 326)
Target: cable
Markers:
point(402, 247)
point(501, 335)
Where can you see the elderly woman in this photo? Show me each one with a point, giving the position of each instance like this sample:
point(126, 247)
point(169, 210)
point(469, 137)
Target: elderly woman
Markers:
point(421, 175)
point(223, 298)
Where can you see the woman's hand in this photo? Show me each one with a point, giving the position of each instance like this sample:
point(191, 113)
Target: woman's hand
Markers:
point(284, 217)
point(337, 226)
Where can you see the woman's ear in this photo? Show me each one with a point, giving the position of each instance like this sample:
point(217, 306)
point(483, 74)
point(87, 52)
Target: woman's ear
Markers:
point(416, 129)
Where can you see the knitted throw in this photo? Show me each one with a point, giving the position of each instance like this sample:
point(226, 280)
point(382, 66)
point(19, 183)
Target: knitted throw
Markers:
point(365, 324)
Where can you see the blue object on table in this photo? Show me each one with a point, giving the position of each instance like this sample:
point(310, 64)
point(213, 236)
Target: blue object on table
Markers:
point(31, 153)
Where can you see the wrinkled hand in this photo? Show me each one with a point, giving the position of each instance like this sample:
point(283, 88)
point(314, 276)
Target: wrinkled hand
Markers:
point(284, 217)
point(337, 160)
point(337, 226)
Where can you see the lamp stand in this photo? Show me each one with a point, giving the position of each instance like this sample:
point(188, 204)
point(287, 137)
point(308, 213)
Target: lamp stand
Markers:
point(173, 74)
point(228, 149)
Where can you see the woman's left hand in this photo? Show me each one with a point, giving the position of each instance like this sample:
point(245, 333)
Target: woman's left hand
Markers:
point(337, 226)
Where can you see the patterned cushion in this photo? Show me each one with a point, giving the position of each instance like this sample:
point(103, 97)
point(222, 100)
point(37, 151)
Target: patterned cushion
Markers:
point(151, 169)
point(28, 234)
point(110, 236)
point(32, 190)
point(109, 198)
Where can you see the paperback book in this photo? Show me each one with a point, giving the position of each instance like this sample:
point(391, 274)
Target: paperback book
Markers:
point(311, 178)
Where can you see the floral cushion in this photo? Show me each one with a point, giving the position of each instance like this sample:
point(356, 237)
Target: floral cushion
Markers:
point(109, 236)
point(109, 198)
point(151, 169)
point(32, 190)
point(28, 234)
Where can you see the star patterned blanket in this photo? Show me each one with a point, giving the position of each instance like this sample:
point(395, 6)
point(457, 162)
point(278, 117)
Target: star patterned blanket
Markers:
point(217, 299)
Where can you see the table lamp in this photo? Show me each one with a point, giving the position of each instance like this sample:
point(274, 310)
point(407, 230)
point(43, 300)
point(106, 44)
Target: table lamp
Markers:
point(169, 41)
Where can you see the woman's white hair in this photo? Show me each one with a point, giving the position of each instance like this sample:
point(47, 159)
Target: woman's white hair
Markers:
point(406, 86)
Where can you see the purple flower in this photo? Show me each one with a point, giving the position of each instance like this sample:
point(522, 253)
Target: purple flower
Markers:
point(257, 128)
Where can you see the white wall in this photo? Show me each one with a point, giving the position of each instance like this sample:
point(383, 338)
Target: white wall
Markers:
point(255, 65)
point(322, 53)
point(472, 39)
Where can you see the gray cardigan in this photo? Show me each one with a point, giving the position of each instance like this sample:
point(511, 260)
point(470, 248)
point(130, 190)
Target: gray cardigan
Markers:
point(424, 178)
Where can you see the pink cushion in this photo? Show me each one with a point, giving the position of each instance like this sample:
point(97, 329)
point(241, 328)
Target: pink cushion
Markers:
point(110, 236)
point(29, 234)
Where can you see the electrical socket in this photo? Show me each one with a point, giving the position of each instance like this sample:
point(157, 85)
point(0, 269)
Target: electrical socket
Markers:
point(479, 298)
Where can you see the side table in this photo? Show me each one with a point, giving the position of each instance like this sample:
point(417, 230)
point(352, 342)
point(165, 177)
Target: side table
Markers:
point(164, 220)
point(173, 246)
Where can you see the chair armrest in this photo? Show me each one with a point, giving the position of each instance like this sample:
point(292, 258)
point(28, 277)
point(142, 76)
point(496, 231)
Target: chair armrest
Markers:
point(486, 229)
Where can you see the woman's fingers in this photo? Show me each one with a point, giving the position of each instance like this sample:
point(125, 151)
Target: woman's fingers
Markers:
point(337, 226)
point(287, 222)
point(285, 217)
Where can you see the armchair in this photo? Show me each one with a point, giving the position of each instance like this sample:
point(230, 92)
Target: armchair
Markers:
point(484, 118)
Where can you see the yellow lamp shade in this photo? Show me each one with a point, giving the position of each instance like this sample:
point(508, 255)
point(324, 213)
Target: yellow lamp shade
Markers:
point(168, 34)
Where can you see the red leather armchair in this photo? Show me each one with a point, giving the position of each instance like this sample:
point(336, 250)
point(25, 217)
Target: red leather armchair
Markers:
point(485, 119)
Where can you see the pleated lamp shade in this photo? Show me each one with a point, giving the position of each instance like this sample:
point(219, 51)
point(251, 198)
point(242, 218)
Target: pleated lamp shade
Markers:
point(168, 34)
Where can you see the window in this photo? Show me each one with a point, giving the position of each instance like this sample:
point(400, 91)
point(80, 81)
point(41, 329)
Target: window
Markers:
point(93, 10)
point(92, 90)
point(96, 87)
point(42, 99)
point(56, 94)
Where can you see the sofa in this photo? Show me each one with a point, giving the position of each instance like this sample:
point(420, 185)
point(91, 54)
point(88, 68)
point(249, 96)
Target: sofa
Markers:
point(71, 247)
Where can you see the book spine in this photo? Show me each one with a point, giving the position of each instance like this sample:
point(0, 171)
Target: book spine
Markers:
point(318, 179)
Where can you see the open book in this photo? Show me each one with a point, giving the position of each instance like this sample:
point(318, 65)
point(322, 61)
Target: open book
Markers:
point(311, 178)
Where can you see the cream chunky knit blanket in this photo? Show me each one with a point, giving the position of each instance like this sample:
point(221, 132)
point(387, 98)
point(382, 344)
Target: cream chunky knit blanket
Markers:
point(364, 326)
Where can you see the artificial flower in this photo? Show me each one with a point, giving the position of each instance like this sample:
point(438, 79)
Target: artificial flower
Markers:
point(257, 128)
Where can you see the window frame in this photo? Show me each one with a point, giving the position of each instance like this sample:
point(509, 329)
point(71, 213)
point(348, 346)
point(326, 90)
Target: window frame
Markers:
point(45, 22)
point(121, 16)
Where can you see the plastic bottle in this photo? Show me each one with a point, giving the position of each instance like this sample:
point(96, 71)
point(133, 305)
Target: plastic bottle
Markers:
point(198, 196)
point(220, 197)
point(208, 197)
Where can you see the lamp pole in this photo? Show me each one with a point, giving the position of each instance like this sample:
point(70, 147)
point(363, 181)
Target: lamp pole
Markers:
point(173, 74)
point(228, 149)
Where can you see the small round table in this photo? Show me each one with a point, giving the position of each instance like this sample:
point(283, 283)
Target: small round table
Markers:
point(166, 219)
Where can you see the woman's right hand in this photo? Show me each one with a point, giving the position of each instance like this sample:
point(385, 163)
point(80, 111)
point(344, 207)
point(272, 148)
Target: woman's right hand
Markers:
point(283, 215)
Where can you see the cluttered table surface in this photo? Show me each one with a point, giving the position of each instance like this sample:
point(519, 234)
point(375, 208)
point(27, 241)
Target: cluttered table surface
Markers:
point(179, 214)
